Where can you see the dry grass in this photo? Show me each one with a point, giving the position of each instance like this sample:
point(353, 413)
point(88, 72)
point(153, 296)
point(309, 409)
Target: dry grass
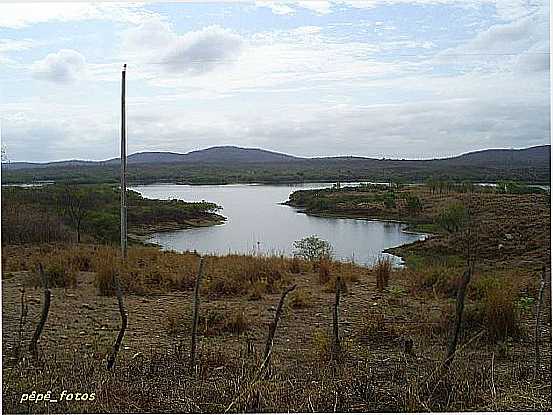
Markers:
point(382, 269)
point(301, 298)
point(500, 314)
point(323, 267)
point(372, 376)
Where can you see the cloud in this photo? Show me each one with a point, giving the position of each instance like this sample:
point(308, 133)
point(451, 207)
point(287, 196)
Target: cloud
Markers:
point(506, 10)
point(201, 51)
point(64, 66)
point(18, 15)
point(195, 52)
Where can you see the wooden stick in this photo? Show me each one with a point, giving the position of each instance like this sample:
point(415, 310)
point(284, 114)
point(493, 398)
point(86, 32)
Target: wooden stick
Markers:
point(461, 291)
point(335, 323)
point(273, 327)
point(45, 310)
point(195, 313)
point(537, 331)
point(22, 321)
point(124, 321)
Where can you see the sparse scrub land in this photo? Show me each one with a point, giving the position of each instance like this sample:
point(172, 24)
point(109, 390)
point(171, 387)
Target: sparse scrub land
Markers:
point(90, 213)
point(394, 324)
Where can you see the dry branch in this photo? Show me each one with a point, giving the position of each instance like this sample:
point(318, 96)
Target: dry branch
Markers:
point(123, 313)
point(461, 291)
point(335, 328)
point(44, 314)
point(195, 313)
point(538, 314)
point(273, 327)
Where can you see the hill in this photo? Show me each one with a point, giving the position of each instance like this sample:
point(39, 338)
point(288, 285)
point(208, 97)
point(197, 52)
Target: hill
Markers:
point(527, 156)
point(228, 164)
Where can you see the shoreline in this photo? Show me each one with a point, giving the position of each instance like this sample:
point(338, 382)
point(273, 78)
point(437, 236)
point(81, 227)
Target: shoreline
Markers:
point(145, 232)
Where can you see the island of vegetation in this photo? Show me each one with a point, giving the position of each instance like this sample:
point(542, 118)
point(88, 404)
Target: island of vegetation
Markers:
point(274, 333)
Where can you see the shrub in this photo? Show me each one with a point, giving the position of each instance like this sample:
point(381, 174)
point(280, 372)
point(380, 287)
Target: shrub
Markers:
point(295, 265)
point(479, 288)
point(413, 203)
point(382, 268)
point(257, 290)
point(500, 314)
point(453, 218)
point(312, 248)
point(441, 280)
point(217, 322)
point(389, 200)
point(330, 286)
point(375, 329)
point(324, 270)
point(58, 269)
point(322, 344)
point(175, 323)
point(106, 267)
point(235, 322)
point(300, 298)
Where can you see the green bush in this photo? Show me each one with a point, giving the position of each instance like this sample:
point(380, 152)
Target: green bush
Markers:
point(453, 218)
point(312, 248)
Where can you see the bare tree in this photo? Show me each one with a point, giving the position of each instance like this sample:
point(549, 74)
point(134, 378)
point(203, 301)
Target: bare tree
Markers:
point(75, 204)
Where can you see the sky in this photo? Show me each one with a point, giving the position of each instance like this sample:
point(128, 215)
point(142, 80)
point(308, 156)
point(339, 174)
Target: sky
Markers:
point(375, 78)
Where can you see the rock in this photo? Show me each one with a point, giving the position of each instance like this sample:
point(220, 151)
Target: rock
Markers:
point(508, 236)
point(87, 306)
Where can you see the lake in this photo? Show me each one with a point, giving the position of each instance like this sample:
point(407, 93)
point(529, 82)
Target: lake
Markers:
point(258, 223)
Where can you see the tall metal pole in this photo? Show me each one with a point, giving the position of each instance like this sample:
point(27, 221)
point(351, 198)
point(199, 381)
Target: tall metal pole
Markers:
point(123, 169)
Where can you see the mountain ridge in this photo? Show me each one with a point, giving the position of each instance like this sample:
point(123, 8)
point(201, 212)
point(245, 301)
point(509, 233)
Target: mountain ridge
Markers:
point(235, 154)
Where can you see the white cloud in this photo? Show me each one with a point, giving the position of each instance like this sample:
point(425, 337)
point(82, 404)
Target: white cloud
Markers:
point(195, 52)
point(203, 50)
point(506, 10)
point(64, 66)
point(14, 45)
point(18, 15)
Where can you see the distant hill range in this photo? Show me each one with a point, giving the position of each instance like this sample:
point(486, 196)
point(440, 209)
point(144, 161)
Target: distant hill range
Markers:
point(230, 163)
point(233, 155)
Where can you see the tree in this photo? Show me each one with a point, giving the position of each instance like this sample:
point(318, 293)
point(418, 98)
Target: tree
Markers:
point(389, 200)
point(453, 218)
point(312, 248)
point(414, 204)
point(75, 204)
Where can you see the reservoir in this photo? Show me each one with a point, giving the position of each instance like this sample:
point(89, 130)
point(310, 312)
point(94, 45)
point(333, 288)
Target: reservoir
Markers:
point(257, 223)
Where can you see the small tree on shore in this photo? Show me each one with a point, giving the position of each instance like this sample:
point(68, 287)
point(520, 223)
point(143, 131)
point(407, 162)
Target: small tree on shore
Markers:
point(312, 248)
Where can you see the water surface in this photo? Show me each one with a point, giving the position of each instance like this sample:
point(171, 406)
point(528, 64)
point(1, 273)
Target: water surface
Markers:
point(258, 223)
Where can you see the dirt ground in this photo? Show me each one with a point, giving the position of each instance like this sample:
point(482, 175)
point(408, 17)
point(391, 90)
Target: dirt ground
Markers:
point(374, 327)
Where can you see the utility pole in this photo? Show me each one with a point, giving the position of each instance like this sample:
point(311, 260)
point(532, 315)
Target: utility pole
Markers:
point(116, 278)
point(123, 169)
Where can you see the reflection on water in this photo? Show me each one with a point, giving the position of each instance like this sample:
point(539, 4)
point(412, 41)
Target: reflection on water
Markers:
point(258, 223)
